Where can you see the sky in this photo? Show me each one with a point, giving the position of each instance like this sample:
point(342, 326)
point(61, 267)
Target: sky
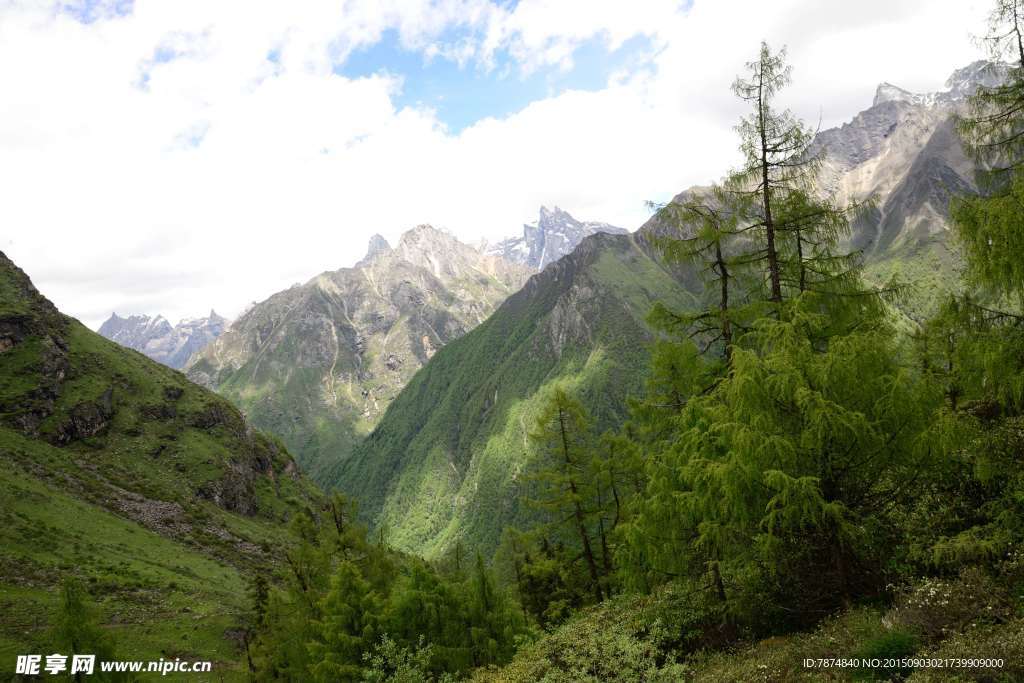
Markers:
point(173, 156)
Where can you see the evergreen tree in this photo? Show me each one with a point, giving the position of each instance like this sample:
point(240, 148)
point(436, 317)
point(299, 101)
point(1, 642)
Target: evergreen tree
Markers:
point(348, 627)
point(563, 443)
point(783, 475)
point(423, 605)
point(788, 226)
point(991, 226)
point(775, 147)
point(493, 622)
point(974, 347)
point(705, 231)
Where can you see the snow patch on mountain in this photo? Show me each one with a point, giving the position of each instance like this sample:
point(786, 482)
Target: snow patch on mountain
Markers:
point(554, 234)
point(157, 338)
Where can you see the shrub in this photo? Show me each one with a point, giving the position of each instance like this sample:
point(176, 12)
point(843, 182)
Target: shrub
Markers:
point(892, 645)
point(938, 608)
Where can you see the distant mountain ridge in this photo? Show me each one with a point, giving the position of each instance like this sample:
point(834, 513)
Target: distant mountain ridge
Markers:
point(319, 363)
point(554, 234)
point(158, 339)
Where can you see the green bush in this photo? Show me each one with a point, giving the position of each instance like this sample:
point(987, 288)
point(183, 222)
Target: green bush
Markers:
point(892, 645)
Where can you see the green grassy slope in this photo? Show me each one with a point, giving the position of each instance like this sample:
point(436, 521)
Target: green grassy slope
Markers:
point(119, 471)
point(446, 465)
point(631, 638)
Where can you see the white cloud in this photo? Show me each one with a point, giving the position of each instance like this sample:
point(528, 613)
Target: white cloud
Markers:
point(197, 153)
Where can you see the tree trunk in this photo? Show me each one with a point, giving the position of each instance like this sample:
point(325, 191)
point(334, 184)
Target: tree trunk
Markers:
point(581, 527)
point(723, 304)
point(800, 261)
point(716, 575)
point(769, 224)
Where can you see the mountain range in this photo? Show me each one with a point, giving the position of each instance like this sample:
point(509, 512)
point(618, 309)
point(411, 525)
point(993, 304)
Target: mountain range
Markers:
point(158, 339)
point(334, 366)
point(447, 463)
point(319, 363)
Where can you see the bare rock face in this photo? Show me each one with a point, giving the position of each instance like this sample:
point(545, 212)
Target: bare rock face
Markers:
point(553, 235)
point(904, 152)
point(25, 315)
point(319, 363)
point(86, 419)
point(158, 339)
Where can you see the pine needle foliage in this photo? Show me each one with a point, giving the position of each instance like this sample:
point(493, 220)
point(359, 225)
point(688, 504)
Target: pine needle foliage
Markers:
point(349, 608)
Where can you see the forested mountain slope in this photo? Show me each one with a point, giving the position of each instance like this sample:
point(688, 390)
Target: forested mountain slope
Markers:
point(447, 463)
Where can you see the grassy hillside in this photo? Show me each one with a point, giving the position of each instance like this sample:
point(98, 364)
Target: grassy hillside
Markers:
point(118, 471)
point(447, 463)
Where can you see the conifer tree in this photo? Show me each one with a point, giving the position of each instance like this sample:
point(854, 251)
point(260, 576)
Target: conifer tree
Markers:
point(705, 231)
point(783, 472)
point(423, 605)
point(493, 622)
point(974, 347)
point(348, 627)
point(991, 226)
point(801, 440)
point(563, 443)
point(785, 222)
point(775, 147)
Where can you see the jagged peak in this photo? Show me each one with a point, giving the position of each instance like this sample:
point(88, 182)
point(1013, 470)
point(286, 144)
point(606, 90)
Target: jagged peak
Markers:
point(961, 84)
point(887, 92)
point(425, 232)
point(376, 246)
point(981, 73)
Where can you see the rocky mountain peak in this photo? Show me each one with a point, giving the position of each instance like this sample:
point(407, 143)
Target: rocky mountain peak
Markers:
point(554, 234)
point(155, 337)
point(356, 336)
point(425, 233)
point(961, 84)
point(887, 92)
point(982, 73)
point(376, 246)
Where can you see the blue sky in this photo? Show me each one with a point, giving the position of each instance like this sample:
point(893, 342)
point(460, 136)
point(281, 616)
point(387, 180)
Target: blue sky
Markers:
point(89, 11)
point(461, 95)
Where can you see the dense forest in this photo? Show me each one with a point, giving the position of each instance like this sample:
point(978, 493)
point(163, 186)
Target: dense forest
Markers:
point(800, 465)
